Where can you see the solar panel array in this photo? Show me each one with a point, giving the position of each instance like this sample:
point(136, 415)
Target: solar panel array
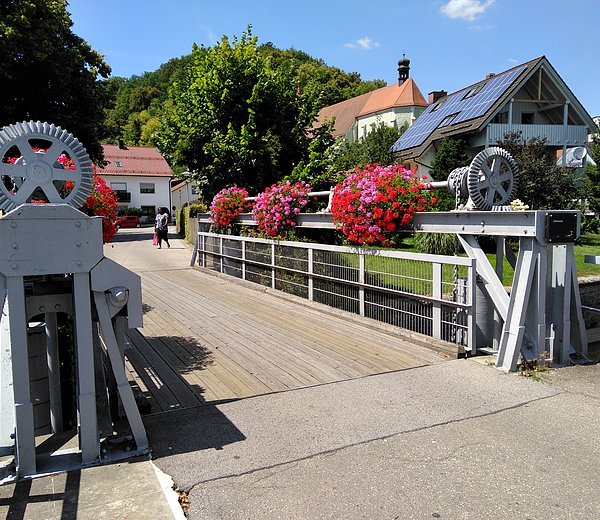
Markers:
point(460, 104)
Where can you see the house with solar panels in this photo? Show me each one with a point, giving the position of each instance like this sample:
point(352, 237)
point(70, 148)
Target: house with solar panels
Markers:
point(395, 105)
point(530, 98)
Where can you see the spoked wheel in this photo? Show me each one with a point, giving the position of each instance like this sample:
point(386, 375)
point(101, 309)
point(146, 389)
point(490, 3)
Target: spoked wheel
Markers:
point(33, 156)
point(492, 178)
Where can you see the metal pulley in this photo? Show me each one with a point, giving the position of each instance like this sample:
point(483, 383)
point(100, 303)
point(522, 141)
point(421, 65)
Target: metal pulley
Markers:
point(489, 181)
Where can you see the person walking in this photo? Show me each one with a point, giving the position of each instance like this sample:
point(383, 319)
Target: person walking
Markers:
point(162, 227)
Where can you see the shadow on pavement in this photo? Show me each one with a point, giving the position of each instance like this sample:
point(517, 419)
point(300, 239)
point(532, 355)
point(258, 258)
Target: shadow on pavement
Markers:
point(25, 494)
point(190, 430)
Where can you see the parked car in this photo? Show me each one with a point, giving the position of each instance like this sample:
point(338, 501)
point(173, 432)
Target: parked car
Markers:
point(128, 221)
point(147, 220)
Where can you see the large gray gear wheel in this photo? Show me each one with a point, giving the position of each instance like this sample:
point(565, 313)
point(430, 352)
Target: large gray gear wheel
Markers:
point(36, 172)
point(492, 178)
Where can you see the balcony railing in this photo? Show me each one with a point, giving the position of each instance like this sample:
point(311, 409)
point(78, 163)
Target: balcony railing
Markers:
point(123, 196)
point(556, 135)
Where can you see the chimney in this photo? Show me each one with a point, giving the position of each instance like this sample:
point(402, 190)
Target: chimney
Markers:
point(122, 144)
point(490, 75)
point(435, 95)
point(403, 69)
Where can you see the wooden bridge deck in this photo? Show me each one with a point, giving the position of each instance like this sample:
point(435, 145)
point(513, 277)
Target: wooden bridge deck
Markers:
point(207, 339)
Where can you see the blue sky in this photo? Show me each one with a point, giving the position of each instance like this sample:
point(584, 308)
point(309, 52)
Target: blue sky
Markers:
point(451, 43)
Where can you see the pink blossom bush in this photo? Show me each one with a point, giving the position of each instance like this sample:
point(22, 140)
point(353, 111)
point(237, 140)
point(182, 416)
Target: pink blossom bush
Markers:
point(276, 208)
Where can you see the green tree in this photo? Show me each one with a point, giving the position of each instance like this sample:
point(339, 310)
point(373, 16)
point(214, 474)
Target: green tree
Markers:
point(48, 73)
point(449, 156)
point(319, 168)
point(541, 184)
point(235, 119)
point(592, 178)
point(372, 148)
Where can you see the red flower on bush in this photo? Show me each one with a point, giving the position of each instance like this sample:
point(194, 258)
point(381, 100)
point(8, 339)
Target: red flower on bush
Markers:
point(275, 209)
point(228, 204)
point(375, 201)
point(102, 202)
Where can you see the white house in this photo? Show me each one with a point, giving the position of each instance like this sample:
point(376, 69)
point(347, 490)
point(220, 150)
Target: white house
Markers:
point(395, 105)
point(140, 176)
point(182, 194)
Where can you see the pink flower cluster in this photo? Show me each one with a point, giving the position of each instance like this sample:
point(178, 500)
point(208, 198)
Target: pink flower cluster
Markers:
point(375, 201)
point(228, 204)
point(276, 208)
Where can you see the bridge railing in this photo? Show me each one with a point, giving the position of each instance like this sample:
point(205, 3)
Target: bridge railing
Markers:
point(429, 294)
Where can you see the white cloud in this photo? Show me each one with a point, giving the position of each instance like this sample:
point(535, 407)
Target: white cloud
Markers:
point(363, 43)
point(466, 9)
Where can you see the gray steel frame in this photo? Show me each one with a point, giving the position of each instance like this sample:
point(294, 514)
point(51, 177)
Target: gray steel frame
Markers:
point(51, 239)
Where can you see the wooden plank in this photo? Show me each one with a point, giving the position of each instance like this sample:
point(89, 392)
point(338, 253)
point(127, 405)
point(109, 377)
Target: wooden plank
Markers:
point(169, 377)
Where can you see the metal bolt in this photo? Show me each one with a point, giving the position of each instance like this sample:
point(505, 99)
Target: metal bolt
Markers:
point(42, 308)
point(14, 266)
point(78, 224)
point(14, 245)
point(78, 244)
point(13, 224)
point(57, 307)
point(79, 263)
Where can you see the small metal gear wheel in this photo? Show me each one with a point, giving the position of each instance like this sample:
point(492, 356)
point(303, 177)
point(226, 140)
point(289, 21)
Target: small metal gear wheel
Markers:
point(30, 169)
point(492, 178)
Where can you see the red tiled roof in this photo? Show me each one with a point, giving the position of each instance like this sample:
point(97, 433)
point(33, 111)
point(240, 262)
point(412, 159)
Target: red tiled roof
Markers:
point(135, 160)
point(394, 95)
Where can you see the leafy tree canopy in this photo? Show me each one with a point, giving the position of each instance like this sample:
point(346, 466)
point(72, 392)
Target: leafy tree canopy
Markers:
point(541, 184)
point(235, 119)
point(48, 73)
point(449, 156)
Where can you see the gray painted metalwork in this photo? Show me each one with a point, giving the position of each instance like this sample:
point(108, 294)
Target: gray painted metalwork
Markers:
point(52, 262)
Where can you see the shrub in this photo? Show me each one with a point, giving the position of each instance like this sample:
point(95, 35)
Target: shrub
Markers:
point(275, 209)
point(374, 202)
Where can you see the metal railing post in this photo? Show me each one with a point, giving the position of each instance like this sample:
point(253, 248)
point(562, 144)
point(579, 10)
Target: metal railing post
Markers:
point(310, 274)
point(361, 281)
point(472, 314)
point(221, 254)
point(273, 265)
point(243, 259)
point(436, 314)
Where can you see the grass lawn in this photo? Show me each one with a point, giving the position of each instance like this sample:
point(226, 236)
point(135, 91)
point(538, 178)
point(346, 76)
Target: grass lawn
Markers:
point(588, 245)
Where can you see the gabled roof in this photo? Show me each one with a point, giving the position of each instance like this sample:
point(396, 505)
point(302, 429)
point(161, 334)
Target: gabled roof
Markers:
point(385, 98)
point(134, 161)
point(472, 108)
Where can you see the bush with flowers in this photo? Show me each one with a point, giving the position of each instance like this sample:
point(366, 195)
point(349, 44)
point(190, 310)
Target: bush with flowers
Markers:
point(374, 202)
point(101, 202)
point(228, 204)
point(275, 209)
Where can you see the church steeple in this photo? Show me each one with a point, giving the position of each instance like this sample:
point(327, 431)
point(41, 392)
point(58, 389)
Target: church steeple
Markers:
point(403, 69)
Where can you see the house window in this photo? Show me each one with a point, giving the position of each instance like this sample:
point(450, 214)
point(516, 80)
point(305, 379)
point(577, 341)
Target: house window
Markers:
point(146, 187)
point(149, 212)
point(527, 118)
point(448, 120)
point(438, 105)
point(118, 186)
point(474, 91)
point(118, 164)
point(501, 118)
